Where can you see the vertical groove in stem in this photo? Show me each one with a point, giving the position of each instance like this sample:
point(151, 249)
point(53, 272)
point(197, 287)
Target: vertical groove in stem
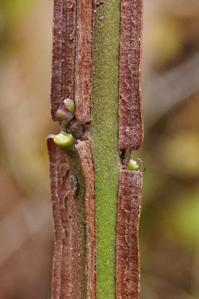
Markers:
point(104, 133)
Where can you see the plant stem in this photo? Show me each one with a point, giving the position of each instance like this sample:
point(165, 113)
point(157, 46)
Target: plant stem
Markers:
point(104, 131)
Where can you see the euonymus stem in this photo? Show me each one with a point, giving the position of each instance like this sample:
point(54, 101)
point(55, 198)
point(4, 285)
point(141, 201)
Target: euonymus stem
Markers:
point(100, 64)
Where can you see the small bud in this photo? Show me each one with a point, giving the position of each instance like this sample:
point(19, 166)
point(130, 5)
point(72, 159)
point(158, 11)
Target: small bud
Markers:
point(133, 165)
point(69, 104)
point(64, 140)
point(61, 114)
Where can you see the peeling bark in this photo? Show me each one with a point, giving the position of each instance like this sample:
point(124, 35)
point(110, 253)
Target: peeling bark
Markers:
point(85, 153)
point(130, 114)
point(64, 40)
point(83, 61)
point(68, 275)
point(130, 138)
point(127, 249)
point(73, 264)
point(72, 56)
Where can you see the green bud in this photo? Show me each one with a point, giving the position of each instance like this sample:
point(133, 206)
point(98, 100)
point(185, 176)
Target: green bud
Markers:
point(64, 139)
point(69, 104)
point(133, 165)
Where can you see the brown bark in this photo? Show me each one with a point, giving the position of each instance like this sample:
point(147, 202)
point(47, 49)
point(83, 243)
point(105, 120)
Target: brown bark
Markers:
point(130, 115)
point(85, 153)
point(74, 261)
point(83, 61)
point(68, 277)
point(130, 138)
point(73, 264)
point(127, 252)
point(72, 56)
point(64, 40)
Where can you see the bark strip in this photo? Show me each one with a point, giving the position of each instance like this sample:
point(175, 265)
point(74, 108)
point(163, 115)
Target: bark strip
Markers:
point(130, 114)
point(83, 61)
point(64, 39)
point(85, 153)
point(127, 251)
point(68, 261)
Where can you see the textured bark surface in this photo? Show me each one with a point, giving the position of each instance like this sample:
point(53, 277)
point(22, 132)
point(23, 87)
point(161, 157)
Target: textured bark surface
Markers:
point(64, 40)
point(72, 56)
point(74, 214)
point(69, 275)
point(130, 138)
point(85, 153)
point(83, 61)
point(127, 252)
point(74, 261)
point(130, 115)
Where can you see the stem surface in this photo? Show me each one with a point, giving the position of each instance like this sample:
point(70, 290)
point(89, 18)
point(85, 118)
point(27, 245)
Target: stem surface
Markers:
point(104, 131)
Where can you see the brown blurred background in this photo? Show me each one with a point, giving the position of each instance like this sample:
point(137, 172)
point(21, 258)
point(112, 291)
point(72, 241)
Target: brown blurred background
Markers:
point(170, 214)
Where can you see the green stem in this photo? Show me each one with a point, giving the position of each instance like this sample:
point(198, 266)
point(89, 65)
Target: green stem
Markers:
point(104, 133)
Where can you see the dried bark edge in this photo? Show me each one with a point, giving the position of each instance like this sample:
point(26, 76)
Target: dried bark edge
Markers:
point(72, 56)
point(67, 263)
point(84, 150)
point(130, 112)
point(63, 54)
point(127, 244)
point(84, 61)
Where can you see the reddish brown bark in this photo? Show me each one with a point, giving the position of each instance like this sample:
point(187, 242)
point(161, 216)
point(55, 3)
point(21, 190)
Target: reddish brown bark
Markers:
point(72, 56)
point(69, 275)
point(73, 266)
point(83, 61)
point(64, 40)
point(127, 250)
point(130, 115)
point(85, 153)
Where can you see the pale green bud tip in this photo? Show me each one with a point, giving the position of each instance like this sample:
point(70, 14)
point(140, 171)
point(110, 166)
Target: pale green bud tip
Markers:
point(70, 105)
point(63, 139)
point(60, 114)
point(133, 165)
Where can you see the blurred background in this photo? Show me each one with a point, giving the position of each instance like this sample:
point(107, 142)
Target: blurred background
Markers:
point(170, 215)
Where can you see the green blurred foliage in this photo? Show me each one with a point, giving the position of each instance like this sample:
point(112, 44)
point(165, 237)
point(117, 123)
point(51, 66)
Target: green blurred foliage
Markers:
point(180, 154)
point(166, 41)
point(183, 219)
point(13, 11)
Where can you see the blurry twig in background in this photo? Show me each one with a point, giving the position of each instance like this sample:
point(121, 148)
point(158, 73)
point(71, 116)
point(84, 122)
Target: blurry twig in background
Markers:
point(173, 87)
